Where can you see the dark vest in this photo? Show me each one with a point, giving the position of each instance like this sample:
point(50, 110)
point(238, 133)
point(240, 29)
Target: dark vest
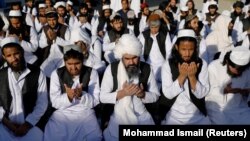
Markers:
point(246, 25)
point(113, 35)
point(29, 90)
point(66, 78)
point(143, 79)
point(165, 104)
point(24, 31)
point(161, 38)
point(102, 22)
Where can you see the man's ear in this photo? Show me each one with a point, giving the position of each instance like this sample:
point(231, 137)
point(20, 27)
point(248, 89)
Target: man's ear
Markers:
point(176, 47)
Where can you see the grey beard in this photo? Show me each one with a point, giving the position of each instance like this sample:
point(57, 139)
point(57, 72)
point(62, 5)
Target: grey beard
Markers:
point(132, 71)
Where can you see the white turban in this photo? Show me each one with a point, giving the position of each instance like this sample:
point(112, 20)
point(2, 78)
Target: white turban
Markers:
point(128, 44)
point(77, 34)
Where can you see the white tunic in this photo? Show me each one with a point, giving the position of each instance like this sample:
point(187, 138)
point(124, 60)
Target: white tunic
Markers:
point(17, 111)
point(76, 120)
point(156, 58)
point(107, 96)
point(183, 111)
point(227, 108)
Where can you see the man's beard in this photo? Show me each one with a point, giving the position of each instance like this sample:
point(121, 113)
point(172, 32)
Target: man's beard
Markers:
point(231, 74)
point(16, 31)
point(19, 67)
point(132, 71)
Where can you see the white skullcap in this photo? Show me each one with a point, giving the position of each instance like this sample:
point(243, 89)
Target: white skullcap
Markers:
point(128, 44)
point(184, 8)
point(131, 14)
point(77, 34)
point(240, 56)
point(73, 47)
point(104, 7)
point(15, 13)
point(8, 40)
point(158, 12)
point(42, 5)
point(113, 16)
point(70, 2)
point(60, 3)
point(186, 33)
point(212, 3)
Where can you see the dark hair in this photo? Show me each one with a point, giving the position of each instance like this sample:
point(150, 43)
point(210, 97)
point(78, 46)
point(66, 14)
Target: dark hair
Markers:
point(51, 15)
point(73, 54)
point(175, 54)
point(13, 45)
point(125, 0)
point(192, 3)
point(163, 5)
point(117, 18)
point(213, 7)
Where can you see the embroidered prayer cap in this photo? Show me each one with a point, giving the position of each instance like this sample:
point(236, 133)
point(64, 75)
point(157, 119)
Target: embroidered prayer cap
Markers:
point(42, 5)
point(70, 2)
point(131, 14)
point(186, 33)
point(72, 47)
point(128, 44)
point(60, 3)
point(9, 40)
point(105, 7)
point(15, 13)
point(50, 10)
point(240, 56)
point(154, 20)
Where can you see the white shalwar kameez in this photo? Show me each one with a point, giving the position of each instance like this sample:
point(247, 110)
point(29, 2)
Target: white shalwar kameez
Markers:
point(227, 108)
point(76, 120)
point(142, 115)
point(183, 111)
point(17, 111)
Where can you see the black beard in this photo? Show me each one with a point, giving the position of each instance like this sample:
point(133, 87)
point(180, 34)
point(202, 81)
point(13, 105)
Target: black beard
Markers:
point(17, 31)
point(210, 14)
point(20, 67)
point(132, 71)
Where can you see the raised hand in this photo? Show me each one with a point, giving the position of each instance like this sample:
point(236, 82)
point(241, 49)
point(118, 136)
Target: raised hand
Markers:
point(183, 72)
point(140, 93)
point(78, 92)
point(192, 69)
point(70, 92)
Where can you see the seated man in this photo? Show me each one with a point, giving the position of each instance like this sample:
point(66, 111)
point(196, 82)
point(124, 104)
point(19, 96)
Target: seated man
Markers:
point(23, 95)
point(229, 87)
point(74, 92)
point(129, 85)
